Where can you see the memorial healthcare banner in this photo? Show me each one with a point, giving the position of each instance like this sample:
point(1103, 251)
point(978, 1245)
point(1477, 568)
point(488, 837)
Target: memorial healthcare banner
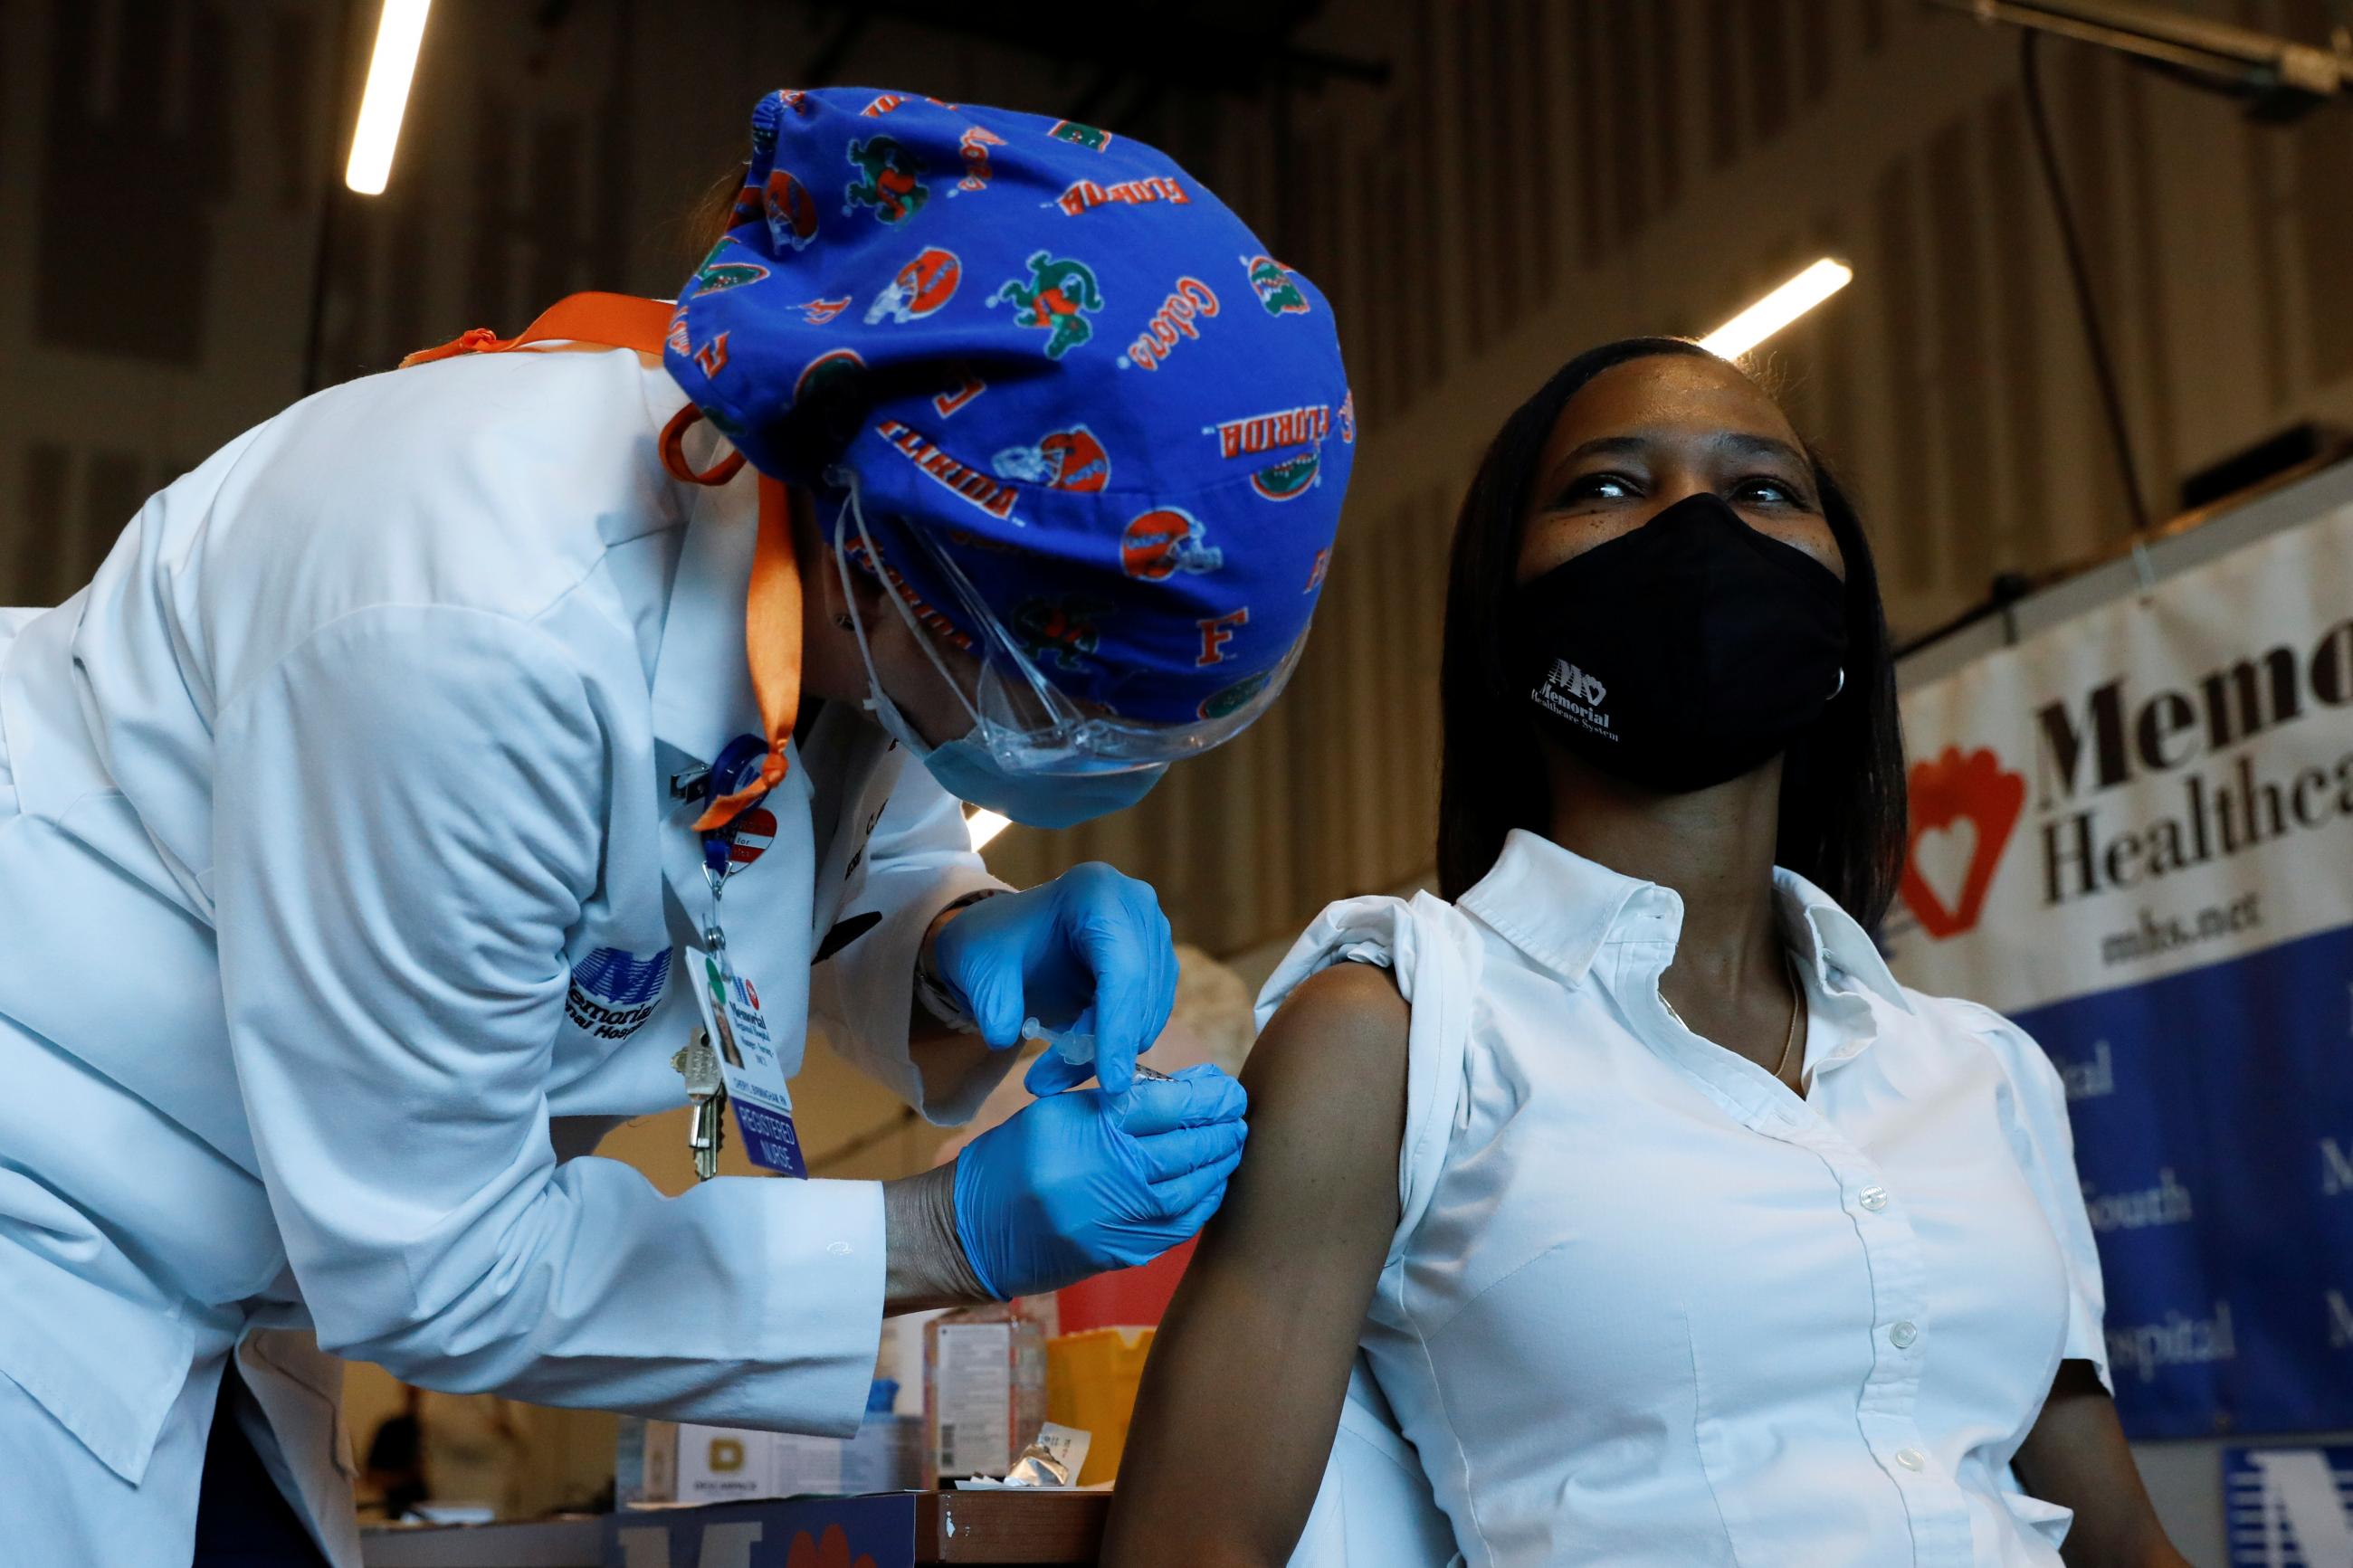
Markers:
point(2133, 832)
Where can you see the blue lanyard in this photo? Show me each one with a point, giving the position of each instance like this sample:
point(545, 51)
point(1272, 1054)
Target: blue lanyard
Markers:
point(738, 763)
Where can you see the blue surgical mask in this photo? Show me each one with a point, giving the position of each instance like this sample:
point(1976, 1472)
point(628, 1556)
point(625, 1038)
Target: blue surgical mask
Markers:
point(967, 770)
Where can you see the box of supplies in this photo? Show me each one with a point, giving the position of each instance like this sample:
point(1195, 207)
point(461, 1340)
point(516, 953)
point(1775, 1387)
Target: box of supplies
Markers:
point(725, 1464)
point(984, 1391)
point(682, 1462)
point(1091, 1383)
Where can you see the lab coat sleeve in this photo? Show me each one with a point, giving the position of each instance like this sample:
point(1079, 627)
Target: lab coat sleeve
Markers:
point(918, 860)
point(409, 814)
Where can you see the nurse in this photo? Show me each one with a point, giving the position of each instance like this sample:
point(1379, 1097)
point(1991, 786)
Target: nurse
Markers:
point(543, 733)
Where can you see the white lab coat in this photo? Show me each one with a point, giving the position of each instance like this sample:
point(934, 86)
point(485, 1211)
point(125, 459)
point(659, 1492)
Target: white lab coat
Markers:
point(339, 865)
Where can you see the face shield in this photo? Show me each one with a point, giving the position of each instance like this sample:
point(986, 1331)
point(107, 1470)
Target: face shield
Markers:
point(1103, 457)
point(1026, 724)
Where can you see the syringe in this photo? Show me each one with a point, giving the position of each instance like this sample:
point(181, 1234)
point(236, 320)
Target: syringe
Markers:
point(1078, 1049)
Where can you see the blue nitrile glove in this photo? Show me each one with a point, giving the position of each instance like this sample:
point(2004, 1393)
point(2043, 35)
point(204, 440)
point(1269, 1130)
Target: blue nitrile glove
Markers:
point(1090, 940)
point(1088, 1181)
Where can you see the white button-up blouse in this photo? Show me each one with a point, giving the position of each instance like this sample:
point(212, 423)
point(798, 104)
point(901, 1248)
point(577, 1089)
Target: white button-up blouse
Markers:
point(1647, 1306)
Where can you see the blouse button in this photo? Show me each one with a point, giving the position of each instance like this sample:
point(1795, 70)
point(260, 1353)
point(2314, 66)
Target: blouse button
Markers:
point(1903, 1335)
point(1911, 1458)
point(1873, 1198)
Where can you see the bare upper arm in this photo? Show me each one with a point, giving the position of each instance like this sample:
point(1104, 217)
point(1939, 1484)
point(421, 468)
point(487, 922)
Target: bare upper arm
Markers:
point(1326, 1084)
point(2076, 1457)
point(1267, 1318)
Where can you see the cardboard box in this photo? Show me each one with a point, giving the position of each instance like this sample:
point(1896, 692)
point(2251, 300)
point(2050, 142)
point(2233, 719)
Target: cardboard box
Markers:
point(984, 1392)
point(684, 1462)
point(1091, 1382)
point(645, 1468)
point(720, 1464)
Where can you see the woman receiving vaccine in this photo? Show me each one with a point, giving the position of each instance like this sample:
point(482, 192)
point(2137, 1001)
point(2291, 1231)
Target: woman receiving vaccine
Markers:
point(1622, 1181)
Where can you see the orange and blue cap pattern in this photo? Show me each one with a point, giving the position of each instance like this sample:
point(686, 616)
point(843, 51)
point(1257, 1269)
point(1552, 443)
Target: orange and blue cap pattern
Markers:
point(1060, 368)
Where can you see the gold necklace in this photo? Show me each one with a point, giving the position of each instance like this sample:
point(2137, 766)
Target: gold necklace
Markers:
point(1796, 1011)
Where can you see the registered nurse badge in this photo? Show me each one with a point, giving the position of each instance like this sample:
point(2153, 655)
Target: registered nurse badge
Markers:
point(751, 1054)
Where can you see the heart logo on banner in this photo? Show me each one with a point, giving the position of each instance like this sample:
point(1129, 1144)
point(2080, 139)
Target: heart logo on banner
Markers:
point(1963, 810)
point(1942, 856)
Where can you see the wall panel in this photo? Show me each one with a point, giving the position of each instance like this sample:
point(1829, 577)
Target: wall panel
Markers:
point(1538, 175)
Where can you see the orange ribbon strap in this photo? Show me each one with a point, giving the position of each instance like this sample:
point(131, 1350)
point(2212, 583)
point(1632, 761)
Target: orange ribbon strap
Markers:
point(772, 603)
point(615, 320)
point(673, 452)
point(771, 643)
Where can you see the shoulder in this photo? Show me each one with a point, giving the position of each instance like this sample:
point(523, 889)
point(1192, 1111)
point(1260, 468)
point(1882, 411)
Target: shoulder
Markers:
point(1337, 1041)
point(512, 420)
point(1365, 1021)
point(1328, 1086)
point(495, 487)
point(495, 483)
point(2021, 1059)
point(1423, 941)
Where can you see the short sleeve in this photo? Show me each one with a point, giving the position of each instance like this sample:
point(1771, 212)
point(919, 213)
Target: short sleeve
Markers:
point(2045, 1145)
point(1434, 954)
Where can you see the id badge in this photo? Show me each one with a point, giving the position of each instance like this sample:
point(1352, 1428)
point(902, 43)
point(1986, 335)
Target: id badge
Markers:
point(748, 1060)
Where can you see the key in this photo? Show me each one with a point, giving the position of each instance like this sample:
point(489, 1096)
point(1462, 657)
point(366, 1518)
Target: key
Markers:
point(707, 1131)
point(706, 1091)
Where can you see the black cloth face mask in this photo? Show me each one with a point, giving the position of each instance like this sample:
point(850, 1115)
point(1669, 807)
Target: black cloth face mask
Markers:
point(1684, 653)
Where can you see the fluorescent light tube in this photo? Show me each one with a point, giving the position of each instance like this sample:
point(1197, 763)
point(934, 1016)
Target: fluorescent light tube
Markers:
point(398, 34)
point(1778, 309)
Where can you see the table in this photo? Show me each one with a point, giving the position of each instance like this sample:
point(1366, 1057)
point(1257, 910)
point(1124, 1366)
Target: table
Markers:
point(898, 1530)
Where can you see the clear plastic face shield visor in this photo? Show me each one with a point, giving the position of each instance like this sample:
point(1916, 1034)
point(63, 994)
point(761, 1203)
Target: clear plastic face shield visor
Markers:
point(1027, 723)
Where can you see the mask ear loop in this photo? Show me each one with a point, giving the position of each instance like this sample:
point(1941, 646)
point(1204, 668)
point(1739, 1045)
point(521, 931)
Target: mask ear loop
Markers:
point(986, 729)
point(673, 452)
point(1068, 724)
point(852, 510)
point(876, 697)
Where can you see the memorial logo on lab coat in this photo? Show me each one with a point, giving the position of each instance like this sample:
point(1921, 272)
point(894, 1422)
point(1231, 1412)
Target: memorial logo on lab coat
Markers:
point(615, 991)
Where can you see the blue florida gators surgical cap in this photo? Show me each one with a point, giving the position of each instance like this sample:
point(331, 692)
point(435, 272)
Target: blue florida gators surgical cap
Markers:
point(1076, 393)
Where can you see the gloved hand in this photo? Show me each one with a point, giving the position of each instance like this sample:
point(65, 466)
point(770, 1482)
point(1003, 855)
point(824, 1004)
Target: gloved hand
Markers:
point(1091, 941)
point(1080, 1182)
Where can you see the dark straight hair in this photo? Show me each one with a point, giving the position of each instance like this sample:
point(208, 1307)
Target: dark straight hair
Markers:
point(1842, 825)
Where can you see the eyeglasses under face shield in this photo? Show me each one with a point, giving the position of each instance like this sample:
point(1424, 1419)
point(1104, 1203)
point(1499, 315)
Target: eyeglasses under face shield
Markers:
point(1030, 724)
